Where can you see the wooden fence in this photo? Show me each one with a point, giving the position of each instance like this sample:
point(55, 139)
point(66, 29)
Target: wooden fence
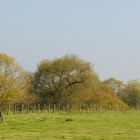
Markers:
point(38, 108)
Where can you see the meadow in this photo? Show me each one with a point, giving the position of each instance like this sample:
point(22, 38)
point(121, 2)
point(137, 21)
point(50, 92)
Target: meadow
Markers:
point(111, 125)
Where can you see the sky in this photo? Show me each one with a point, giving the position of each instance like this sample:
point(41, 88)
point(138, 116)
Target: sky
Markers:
point(103, 32)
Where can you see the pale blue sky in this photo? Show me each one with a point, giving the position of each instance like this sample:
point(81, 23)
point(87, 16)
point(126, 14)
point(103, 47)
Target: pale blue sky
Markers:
point(104, 32)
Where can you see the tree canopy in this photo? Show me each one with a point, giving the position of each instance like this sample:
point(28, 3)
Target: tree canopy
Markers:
point(57, 80)
point(65, 80)
point(13, 79)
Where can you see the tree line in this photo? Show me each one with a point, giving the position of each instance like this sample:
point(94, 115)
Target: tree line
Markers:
point(66, 80)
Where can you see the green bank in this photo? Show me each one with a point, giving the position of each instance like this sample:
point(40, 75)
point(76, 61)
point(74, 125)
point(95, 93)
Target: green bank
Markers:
point(72, 126)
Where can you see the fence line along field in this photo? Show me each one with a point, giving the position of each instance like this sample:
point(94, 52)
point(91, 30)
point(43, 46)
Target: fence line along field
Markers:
point(110, 125)
point(39, 108)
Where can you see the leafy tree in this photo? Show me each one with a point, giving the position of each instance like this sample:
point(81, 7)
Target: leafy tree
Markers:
point(116, 86)
point(12, 79)
point(131, 93)
point(28, 97)
point(59, 80)
point(102, 95)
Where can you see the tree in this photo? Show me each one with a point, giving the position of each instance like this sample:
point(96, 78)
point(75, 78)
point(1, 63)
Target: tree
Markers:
point(12, 79)
point(28, 97)
point(116, 86)
point(57, 81)
point(102, 95)
point(131, 93)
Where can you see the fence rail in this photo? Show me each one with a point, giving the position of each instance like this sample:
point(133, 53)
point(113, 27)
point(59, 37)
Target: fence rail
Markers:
point(38, 108)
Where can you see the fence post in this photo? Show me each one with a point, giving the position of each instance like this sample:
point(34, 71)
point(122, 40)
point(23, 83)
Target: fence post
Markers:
point(54, 108)
point(14, 109)
point(22, 109)
point(48, 108)
point(44, 108)
point(1, 117)
point(38, 108)
point(9, 109)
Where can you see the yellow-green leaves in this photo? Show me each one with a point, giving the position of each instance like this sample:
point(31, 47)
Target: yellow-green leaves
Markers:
point(59, 79)
point(12, 79)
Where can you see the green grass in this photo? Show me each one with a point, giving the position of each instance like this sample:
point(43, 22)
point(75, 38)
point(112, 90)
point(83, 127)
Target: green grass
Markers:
point(72, 126)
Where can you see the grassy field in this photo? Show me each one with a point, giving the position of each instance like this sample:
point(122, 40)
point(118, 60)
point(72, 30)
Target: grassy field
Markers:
point(72, 126)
